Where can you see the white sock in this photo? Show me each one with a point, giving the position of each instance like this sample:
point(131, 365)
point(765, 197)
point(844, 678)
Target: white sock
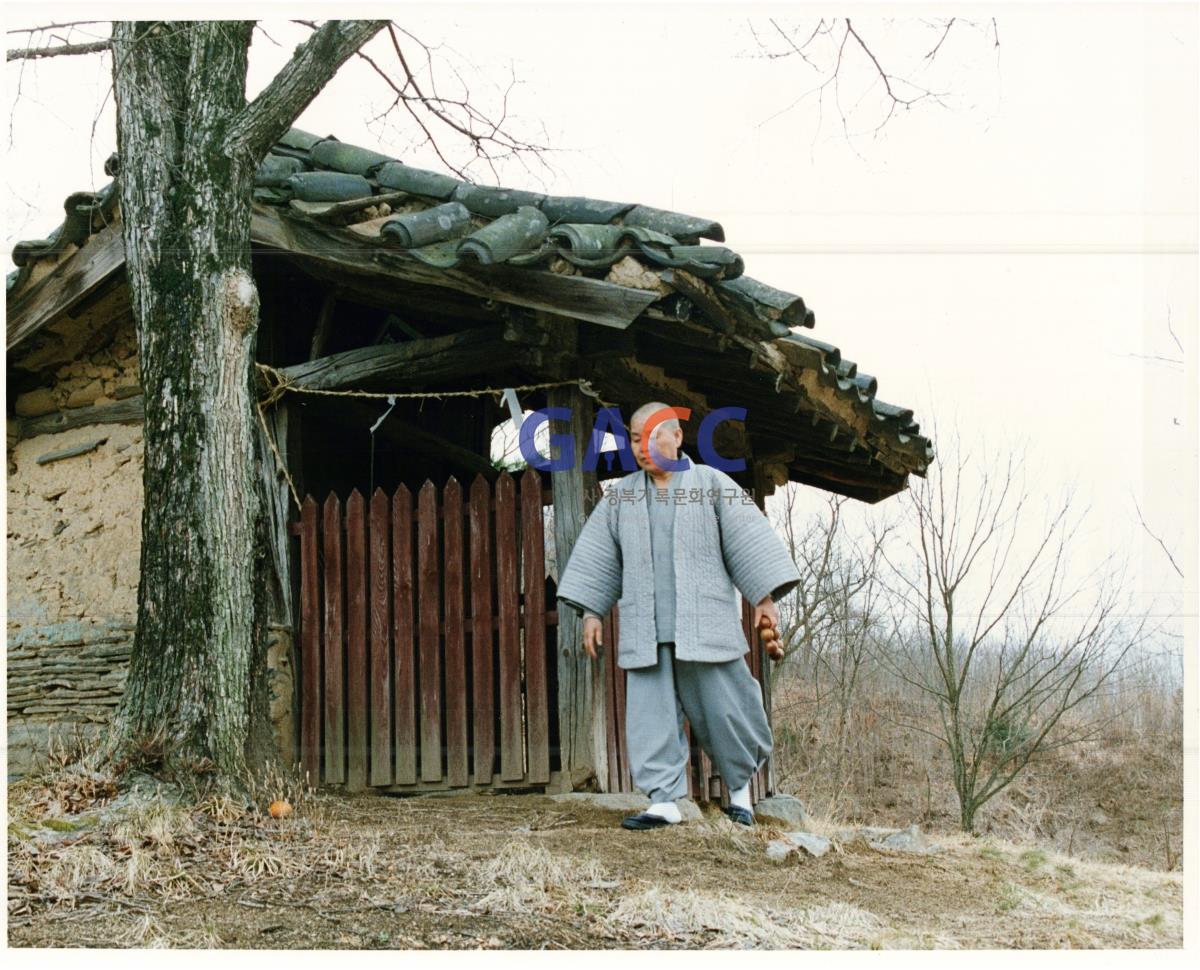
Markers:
point(741, 798)
point(667, 810)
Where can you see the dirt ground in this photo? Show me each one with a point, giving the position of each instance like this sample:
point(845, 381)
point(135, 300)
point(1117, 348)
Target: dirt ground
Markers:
point(89, 869)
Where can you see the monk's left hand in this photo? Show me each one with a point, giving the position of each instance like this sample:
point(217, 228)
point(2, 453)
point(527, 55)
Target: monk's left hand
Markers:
point(768, 609)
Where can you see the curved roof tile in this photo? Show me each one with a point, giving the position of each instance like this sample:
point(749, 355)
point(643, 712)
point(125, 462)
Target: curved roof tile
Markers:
point(684, 228)
point(412, 230)
point(484, 200)
point(328, 186)
point(417, 181)
point(576, 209)
point(351, 159)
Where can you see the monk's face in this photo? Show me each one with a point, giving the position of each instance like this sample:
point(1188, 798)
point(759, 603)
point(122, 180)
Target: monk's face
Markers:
point(666, 444)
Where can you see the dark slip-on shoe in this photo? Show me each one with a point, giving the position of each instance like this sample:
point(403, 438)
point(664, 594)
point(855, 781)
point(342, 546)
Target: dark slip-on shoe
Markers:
point(644, 820)
point(740, 815)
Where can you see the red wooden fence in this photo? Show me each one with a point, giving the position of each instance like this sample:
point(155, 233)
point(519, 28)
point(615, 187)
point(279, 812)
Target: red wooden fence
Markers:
point(424, 638)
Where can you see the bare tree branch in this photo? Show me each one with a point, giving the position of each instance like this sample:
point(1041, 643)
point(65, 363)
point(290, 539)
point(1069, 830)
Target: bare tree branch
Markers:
point(1171, 331)
point(268, 116)
point(486, 136)
point(31, 53)
point(1156, 357)
point(1174, 564)
point(45, 27)
point(938, 46)
point(824, 51)
point(799, 51)
point(888, 78)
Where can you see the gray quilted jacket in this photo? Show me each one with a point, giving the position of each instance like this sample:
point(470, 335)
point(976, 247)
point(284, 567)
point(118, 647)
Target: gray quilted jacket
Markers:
point(724, 545)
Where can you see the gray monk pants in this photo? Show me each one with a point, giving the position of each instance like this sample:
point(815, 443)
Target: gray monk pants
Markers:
point(723, 704)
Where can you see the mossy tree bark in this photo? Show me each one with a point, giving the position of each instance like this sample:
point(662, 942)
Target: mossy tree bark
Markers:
point(188, 145)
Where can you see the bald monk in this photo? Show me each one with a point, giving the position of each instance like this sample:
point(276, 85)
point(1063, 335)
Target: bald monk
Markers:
point(673, 549)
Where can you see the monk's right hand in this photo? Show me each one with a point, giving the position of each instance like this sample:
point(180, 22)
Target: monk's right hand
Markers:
point(593, 636)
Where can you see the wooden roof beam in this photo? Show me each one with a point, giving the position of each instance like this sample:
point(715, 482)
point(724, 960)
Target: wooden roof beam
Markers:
point(577, 297)
point(633, 383)
point(73, 279)
point(429, 360)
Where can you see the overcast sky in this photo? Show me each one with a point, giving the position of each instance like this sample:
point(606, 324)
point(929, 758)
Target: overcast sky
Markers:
point(1005, 262)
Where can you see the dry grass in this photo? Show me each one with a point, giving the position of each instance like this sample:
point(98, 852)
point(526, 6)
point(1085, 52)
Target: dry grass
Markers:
point(723, 921)
point(82, 869)
point(149, 932)
point(154, 823)
point(524, 877)
point(61, 790)
point(1118, 798)
point(1087, 897)
point(521, 872)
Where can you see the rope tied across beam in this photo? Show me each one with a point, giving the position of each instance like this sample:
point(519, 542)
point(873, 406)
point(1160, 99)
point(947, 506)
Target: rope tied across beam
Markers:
point(279, 384)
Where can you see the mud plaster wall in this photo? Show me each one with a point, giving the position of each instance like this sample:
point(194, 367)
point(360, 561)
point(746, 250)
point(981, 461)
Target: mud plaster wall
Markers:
point(74, 543)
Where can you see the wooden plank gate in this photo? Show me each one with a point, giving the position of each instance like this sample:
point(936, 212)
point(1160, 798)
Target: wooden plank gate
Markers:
point(424, 638)
point(427, 648)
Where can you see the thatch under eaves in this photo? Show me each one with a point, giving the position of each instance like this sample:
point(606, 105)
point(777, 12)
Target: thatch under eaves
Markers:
point(380, 276)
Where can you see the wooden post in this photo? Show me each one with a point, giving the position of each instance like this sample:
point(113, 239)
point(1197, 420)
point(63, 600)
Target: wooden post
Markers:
point(332, 637)
point(282, 595)
point(310, 663)
point(512, 760)
point(357, 674)
point(404, 636)
point(321, 328)
point(761, 483)
point(582, 724)
point(533, 615)
point(458, 770)
point(429, 687)
point(382, 760)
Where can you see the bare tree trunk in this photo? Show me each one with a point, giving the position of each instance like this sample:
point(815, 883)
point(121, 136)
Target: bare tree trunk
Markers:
point(196, 692)
point(188, 144)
